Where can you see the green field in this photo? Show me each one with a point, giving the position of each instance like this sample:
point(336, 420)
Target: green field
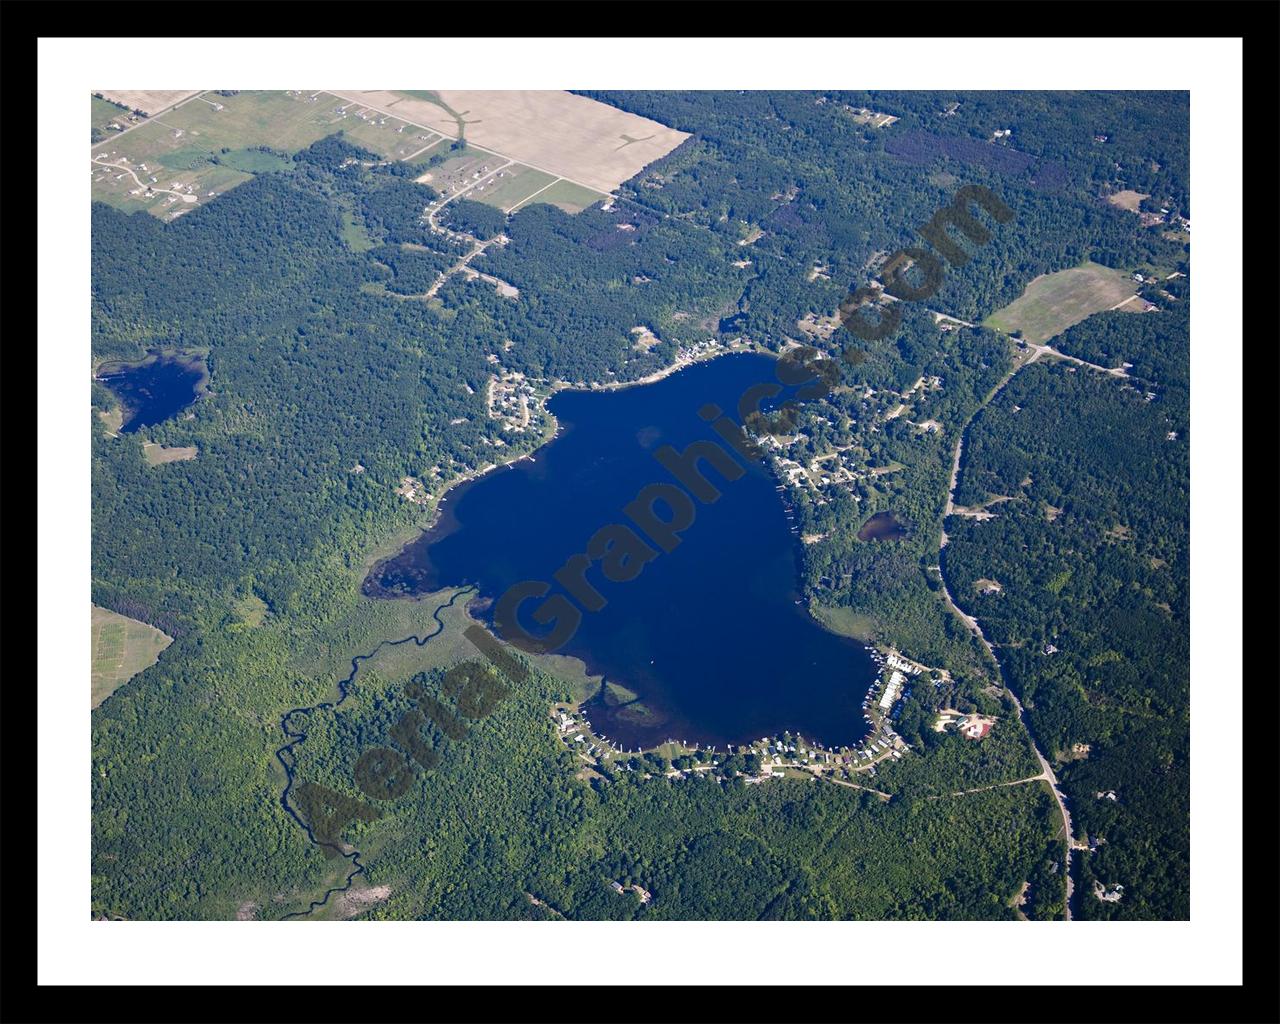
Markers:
point(517, 183)
point(440, 146)
point(178, 145)
point(120, 648)
point(1054, 302)
point(845, 621)
point(387, 136)
point(570, 197)
point(254, 161)
point(102, 113)
point(458, 170)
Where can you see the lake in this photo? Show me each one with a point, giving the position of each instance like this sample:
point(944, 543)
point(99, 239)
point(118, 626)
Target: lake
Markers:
point(154, 389)
point(882, 526)
point(711, 636)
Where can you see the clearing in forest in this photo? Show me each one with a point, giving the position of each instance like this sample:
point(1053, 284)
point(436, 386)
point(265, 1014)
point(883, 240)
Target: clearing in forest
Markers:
point(158, 454)
point(120, 648)
point(1054, 302)
point(1128, 199)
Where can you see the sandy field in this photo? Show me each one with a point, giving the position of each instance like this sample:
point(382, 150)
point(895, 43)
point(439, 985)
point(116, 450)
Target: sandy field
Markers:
point(573, 137)
point(147, 100)
point(1128, 199)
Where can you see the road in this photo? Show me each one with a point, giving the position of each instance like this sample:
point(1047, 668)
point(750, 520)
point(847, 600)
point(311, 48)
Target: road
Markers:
point(472, 145)
point(148, 120)
point(186, 197)
point(478, 246)
point(1113, 371)
point(851, 785)
point(995, 785)
point(1046, 769)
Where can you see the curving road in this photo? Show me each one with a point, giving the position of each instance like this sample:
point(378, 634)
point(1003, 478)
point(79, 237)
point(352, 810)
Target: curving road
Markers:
point(972, 623)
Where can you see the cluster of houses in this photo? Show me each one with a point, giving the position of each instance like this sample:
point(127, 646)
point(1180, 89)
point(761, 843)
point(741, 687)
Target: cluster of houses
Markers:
point(971, 726)
point(838, 466)
point(512, 401)
point(875, 118)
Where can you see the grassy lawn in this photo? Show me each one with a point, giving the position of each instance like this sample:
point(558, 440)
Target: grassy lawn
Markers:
point(254, 161)
point(441, 145)
point(251, 611)
point(393, 140)
point(845, 622)
point(517, 183)
point(1054, 302)
point(176, 145)
point(112, 419)
point(102, 113)
point(355, 234)
point(570, 197)
point(120, 648)
point(158, 454)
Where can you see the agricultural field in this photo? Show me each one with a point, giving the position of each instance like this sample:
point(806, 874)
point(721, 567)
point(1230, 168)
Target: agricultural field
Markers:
point(511, 186)
point(569, 136)
point(569, 197)
point(390, 137)
point(463, 167)
point(1054, 302)
point(106, 117)
point(209, 143)
point(440, 145)
point(149, 101)
point(174, 163)
point(120, 648)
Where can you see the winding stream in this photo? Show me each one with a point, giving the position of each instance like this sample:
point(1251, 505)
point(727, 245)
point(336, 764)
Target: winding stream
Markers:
point(296, 737)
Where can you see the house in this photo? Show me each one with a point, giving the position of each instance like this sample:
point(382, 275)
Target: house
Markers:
point(1108, 893)
point(891, 690)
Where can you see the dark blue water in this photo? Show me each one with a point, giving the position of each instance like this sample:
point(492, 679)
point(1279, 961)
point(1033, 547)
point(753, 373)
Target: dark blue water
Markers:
point(155, 390)
point(710, 635)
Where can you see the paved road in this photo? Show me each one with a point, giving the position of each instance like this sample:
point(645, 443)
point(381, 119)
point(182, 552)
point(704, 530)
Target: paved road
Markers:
point(1046, 768)
point(172, 106)
point(483, 149)
point(479, 246)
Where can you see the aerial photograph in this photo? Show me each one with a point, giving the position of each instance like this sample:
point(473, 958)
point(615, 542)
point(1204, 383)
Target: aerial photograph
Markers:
point(619, 505)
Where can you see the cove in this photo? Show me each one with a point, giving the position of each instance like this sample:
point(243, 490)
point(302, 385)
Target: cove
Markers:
point(154, 389)
point(712, 637)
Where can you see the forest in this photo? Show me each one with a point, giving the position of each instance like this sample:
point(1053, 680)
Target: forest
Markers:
point(1092, 622)
point(328, 387)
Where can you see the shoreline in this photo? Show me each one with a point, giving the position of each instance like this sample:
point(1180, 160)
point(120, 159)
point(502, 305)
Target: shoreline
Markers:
point(657, 375)
point(436, 501)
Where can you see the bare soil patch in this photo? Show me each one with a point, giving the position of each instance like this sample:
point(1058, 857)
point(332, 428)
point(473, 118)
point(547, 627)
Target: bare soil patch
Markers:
point(1128, 199)
point(570, 136)
point(149, 101)
point(158, 454)
point(357, 901)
